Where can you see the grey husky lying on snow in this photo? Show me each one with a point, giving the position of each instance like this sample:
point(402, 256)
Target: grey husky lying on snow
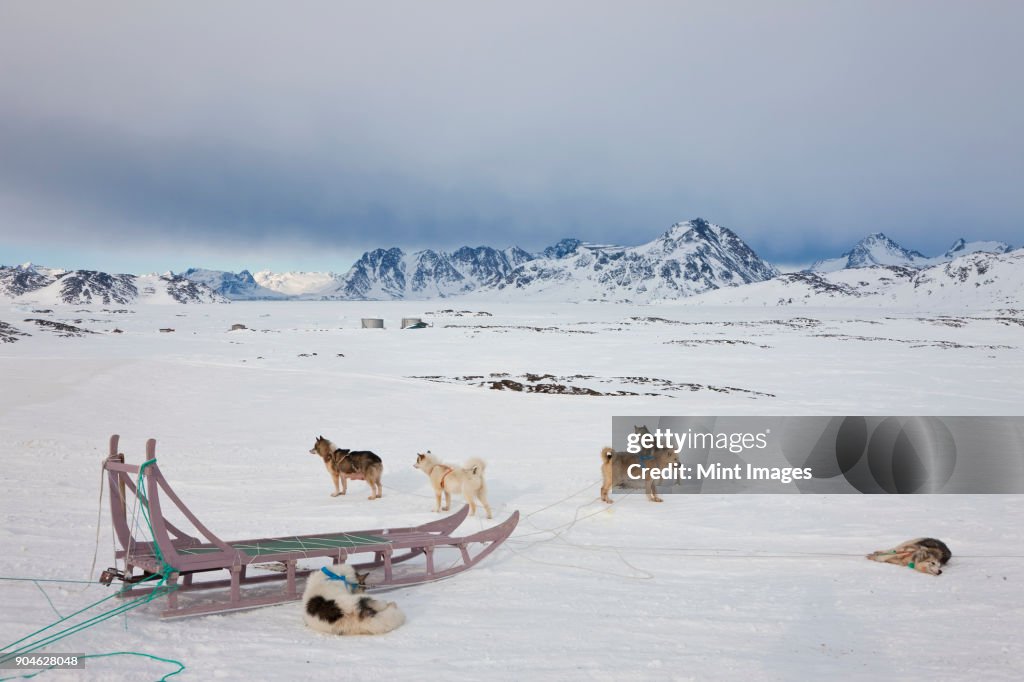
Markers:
point(926, 555)
point(332, 604)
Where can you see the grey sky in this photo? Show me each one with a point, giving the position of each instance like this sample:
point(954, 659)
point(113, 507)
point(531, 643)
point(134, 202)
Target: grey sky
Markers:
point(298, 134)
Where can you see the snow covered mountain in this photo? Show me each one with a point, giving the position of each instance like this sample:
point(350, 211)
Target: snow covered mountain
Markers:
point(19, 279)
point(877, 249)
point(296, 283)
point(395, 274)
point(963, 247)
point(171, 288)
point(486, 265)
point(240, 286)
point(977, 280)
point(82, 287)
point(690, 258)
point(44, 286)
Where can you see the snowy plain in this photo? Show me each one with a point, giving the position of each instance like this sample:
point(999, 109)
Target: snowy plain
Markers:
point(699, 587)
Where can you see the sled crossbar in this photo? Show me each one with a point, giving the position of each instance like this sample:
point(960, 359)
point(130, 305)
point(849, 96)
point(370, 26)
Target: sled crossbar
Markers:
point(190, 555)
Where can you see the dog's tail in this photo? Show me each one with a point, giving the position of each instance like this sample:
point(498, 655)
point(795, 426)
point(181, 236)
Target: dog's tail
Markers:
point(386, 620)
point(475, 466)
point(607, 454)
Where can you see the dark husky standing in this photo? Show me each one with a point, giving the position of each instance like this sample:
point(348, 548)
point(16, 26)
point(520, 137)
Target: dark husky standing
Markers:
point(615, 464)
point(358, 465)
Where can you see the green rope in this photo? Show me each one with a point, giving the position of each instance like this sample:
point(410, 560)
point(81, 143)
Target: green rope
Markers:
point(77, 627)
point(181, 666)
point(49, 601)
point(159, 589)
point(143, 497)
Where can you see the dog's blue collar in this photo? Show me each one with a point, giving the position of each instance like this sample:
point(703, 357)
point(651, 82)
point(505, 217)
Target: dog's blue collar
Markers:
point(331, 575)
point(644, 458)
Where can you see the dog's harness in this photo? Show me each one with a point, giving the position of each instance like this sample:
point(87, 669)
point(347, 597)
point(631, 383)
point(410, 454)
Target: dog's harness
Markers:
point(910, 564)
point(331, 575)
point(444, 475)
point(645, 458)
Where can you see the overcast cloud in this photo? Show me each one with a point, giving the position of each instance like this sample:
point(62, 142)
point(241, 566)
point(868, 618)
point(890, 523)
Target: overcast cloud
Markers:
point(302, 133)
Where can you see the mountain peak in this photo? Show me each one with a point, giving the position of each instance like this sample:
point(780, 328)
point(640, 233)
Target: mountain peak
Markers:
point(689, 258)
point(563, 248)
point(874, 249)
point(962, 247)
point(699, 223)
point(698, 226)
point(879, 240)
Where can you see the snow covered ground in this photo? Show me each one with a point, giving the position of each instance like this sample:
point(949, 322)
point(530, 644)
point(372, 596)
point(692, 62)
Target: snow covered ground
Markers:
point(699, 587)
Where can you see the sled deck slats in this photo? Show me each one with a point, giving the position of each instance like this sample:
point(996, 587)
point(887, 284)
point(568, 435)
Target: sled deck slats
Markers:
point(293, 544)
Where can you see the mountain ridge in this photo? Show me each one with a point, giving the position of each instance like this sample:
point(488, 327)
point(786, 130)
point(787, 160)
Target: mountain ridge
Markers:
point(690, 258)
point(878, 249)
point(974, 280)
point(47, 286)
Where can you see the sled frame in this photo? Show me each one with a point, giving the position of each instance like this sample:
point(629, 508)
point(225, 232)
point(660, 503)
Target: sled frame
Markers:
point(191, 555)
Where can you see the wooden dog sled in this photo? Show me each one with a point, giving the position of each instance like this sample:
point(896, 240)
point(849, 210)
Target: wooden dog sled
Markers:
point(187, 555)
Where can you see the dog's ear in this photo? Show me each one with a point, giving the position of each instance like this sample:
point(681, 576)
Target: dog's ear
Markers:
point(319, 438)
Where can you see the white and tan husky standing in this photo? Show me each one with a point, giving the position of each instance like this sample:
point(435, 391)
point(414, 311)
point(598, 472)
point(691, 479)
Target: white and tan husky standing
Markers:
point(331, 603)
point(467, 479)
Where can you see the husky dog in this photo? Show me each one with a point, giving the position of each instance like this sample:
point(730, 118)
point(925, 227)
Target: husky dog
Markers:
point(615, 464)
point(447, 479)
point(330, 604)
point(360, 465)
point(927, 555)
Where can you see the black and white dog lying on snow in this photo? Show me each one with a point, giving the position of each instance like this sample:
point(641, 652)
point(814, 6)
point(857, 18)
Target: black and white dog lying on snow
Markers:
point(332, 604)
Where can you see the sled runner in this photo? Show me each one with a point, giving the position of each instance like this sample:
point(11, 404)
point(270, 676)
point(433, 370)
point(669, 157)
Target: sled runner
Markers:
point(189, 555)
